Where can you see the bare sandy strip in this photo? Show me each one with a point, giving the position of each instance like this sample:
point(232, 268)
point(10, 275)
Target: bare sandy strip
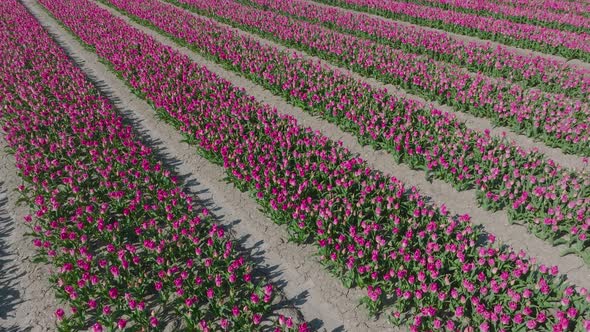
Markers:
point(27, 302)
point(320, 297)
point(440, 192)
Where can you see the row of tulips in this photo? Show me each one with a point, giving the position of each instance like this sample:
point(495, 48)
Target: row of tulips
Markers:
point(528, 70)
point(534, 16)
point(581, 8)
point(553, 202)
point(127, 247)
point(369, 230)
point(554, 118)
point(551, 41)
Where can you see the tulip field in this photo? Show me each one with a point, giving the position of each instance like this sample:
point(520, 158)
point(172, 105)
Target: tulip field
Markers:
point(482, 99)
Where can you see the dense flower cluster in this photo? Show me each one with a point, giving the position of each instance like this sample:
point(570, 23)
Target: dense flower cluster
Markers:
point(547, 40)
point(535, 16)
point(529, 70)
point(553, 118)
point(369, 229)
point(574, 7)
point(127, 246)
point(552, 201)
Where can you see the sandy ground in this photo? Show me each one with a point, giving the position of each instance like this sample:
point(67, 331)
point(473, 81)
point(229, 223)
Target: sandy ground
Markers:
point(573, 62)
point(440, 192)
point(26, 300)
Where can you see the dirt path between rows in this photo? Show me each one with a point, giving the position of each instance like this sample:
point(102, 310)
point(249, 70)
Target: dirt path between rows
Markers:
point(307, 286)
point(26, 298)
point(440, 192)
point(574, 63)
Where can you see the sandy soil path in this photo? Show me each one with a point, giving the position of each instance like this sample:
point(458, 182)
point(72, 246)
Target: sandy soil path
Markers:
point(26, 299)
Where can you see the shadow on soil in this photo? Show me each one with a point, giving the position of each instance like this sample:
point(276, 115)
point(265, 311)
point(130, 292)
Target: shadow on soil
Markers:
point(10, 297)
